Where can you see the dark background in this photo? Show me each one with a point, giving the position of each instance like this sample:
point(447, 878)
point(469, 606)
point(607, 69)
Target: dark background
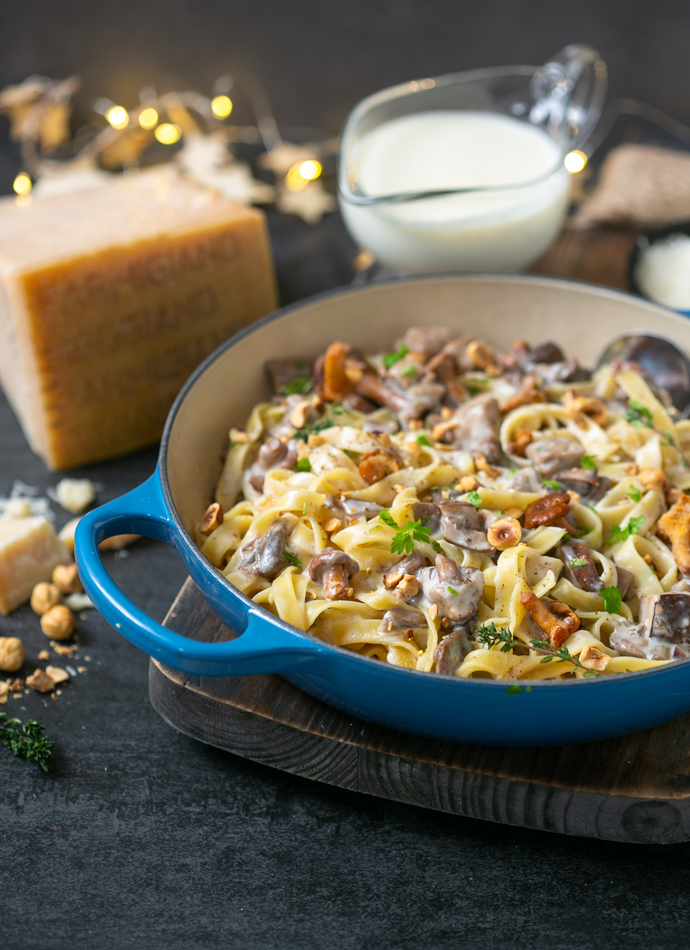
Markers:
point(142, 838)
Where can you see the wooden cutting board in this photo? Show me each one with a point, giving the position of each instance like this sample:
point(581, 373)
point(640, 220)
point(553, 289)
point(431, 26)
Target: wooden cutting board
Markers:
point(632, 789)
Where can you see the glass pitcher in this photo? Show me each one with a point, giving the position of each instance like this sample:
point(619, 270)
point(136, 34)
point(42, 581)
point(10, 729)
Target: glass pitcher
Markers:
point(404, 196)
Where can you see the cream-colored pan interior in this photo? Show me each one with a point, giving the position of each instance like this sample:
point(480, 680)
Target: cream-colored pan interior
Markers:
point(581, 318)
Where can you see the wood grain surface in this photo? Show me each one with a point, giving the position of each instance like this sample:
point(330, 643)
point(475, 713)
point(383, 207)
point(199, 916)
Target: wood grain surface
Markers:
point(632, 789)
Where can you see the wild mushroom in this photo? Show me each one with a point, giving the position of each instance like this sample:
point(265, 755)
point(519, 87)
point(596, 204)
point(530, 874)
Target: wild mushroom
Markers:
point(428, 513)
point(451, 651)
point(265, 555)
point(550, 456)
point(455, 591)
point(412, 563)
point(399, 620)
point(666, 616)
point(579, 566)
point(427, 341)
point(674, 527)
point(445, 368)
point(355, 508)
point(557, 620)
point(274, 453)
point(474, 427)
point(547, 510)
point(631, 639)
point(589, 485)
point(333, 569)
point(462, 525)
point(526, 394)
point(526, 479)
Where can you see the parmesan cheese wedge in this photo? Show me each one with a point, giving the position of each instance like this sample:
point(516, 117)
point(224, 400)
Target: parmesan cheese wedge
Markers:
point(29, 550)
point(110, 297)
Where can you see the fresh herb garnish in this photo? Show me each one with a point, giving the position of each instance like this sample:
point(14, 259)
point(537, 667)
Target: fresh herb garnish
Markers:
point(292, 559)
point(389, 359)
point(410, 370)
point(304, 509)
point(27, 741)
point(304, 465)
point(518, 689)
point(622, 534)
point(612, 599)
point(551, 484)
point(404, 539)
point(560, 655)
point(640, 417)
point(475, 498)
point(587, 461)
point(488, 636)
point(452, 590)
point(422, 440)
point(635, 494)
point(304, 433)
point(578, 562)
point(300, 384)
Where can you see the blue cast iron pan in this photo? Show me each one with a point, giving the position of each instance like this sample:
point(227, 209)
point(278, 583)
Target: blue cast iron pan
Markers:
point(221, 393)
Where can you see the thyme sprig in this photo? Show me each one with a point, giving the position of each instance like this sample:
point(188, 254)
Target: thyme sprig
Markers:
point(488, 636)
point(560, 655)
point(27, 741)
point(640, 417)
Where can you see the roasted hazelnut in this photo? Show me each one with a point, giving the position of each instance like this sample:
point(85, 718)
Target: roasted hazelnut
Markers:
point(44, 596)
point(593, 659)
point(12, 654)
point(504, 533)
point(374, 466)
point(58, 623)
point(213, 518)
point(652, 479)
point(482, 357)
point(468, 483)
point(66, 578)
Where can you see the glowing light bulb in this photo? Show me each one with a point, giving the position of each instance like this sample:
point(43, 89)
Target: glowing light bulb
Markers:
point(118, 117)
point(575, 161)
point(168, 133)
point(22, 184)
point(148, 118)
point(310, 169)
point(221, 106)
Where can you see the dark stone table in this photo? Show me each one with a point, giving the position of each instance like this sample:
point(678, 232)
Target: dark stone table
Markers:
point(140, 837)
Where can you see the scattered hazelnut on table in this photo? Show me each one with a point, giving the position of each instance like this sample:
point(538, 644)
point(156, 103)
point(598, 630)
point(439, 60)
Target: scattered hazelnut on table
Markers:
point(12, 654)
point(44, 655)
point(40, 681)
point(44, 596)
point(58, 622)
point(66, 578)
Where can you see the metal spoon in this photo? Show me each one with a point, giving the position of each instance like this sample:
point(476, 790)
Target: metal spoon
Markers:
point(664, 362)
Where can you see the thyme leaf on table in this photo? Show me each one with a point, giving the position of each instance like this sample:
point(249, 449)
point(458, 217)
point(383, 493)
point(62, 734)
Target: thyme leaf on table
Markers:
point(27, 740)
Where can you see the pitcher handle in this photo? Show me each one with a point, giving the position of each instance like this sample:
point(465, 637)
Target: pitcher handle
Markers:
point(571, 85)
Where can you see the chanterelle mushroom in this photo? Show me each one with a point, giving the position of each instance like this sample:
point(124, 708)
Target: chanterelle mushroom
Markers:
point(674, 527)
point(333, 569)
point(455, 590)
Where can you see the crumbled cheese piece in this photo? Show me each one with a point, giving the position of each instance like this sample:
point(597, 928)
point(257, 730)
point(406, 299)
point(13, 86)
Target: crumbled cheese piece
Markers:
point(25, 501)
point(17, 508)
point(29, 551)
point(74, 494)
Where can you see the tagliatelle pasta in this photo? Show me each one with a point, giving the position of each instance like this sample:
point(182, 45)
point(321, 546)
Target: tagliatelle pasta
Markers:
point(448, 509)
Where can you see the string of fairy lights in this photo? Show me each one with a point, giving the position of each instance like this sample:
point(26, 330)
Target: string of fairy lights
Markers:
point(39, 110)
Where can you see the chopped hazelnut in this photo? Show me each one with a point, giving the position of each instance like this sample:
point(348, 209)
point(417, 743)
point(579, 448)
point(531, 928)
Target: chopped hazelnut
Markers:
point(409, 586)
point(673, 495)
point(632, 470)
point(482, 464)
point(40, 681)
point(213, 518)
point(513, 512)
point(433, 611)
point(44, 596)
point(652, 479)
point(468, 483)
point(593, 659)
point(519, 442)
point(480, 354)
point(446, 413)
point(12, 654)
point(574, 495)
point(17, 686)
point(44, 655)
point(239, 436)
point(415, 424)
point(332, 524)
point(300, 414)
point(314, 440)
point(392, 580)
point(66, 579)
point(58, 622)
point(385, 440)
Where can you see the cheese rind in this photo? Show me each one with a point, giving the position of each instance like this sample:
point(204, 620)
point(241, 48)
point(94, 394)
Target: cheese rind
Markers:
point(29, 551)
point(110, 298)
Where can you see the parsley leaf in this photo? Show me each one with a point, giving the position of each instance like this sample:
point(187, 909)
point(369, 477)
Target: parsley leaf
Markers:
point(587, 461)
point(518, 689)
point(410, 370)
point(422, 440)
point(578, 562)
point(300, 384)
point(405, 537)
point(475, 499)
point(551, 484)
point(292, 559)
point(452, 590)
point(27, 741)
point(390, 358)
point(635, 494)
point(619, 534)
point(304, 433)
point(388, 518)
point(612, 599)
point(304, 465)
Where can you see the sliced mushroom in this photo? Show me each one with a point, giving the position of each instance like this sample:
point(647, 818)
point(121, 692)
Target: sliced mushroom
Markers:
point(265, 555)
point(631, 639)
point(445, 368)
point(451, 651)
point(526, 480)
point(273, 454)
point(546, 353)
point(333, 569)
point(625, 582)
point(426, 340)
point(474, 427)
point(462, 525)
point(399, 620)
point(412, 563)
point(589, 485)
point(667, 616)
point(585, 575)
point(356, 508)
point(439, 582)
point(550, 456)
point(428, 513)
